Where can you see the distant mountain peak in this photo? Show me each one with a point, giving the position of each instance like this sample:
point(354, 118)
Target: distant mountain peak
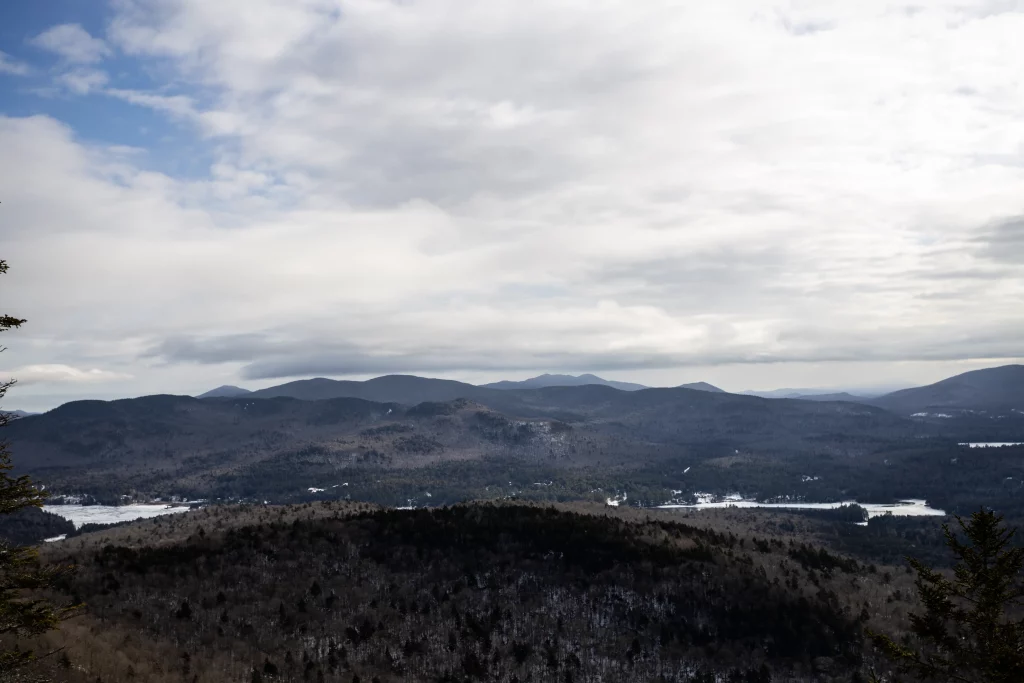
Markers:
point(702, 386)
point(225, 391)
point(551, 380)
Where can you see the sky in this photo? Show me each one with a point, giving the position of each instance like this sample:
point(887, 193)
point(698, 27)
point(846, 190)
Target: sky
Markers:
point(753, 193)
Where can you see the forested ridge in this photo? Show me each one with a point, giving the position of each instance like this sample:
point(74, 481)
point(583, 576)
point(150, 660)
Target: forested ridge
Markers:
point(567, 443)
point(483, 591)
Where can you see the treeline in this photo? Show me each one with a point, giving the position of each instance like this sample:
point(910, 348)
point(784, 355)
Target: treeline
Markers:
point(31, 525)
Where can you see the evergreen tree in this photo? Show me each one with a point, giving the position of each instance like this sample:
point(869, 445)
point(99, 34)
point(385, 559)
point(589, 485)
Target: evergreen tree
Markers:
point(22, 612)
point(972, 628)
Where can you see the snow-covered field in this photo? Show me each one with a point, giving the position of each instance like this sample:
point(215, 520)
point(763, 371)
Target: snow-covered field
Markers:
point(108, 514)
point(904, 508)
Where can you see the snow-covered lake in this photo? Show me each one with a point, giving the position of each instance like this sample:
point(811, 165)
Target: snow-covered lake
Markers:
point(904, 508)
point(992, 444)
point(108, 514)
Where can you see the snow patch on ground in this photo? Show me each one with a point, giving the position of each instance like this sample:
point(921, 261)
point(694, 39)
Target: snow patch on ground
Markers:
point(109, 514)
point(904, 508)
point(616, 501)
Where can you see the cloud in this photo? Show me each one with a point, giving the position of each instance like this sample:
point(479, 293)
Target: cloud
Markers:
point(178, 106)
point(11, 66)
point(442, 187)
point(1003, 240)
point(56, 373)
point(278, 354)
point(83, 80)
point(73, 43)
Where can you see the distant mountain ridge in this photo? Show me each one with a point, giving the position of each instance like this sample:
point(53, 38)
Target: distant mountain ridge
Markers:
point(988, 389)
point(839, 396)
point(547, 380)
point(406, 389)
point(18, 413)
point(992, 388)
point(859, 395)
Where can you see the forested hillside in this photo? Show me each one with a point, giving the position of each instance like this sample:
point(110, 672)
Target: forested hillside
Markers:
point(280, 447)
point(503, 592)
point(558, 443)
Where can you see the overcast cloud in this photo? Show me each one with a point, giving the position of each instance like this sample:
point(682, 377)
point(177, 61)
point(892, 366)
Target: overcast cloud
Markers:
point(745, 192)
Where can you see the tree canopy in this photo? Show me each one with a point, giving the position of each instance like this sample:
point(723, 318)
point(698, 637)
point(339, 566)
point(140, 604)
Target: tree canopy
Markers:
point(972, 627)
point(22, 612)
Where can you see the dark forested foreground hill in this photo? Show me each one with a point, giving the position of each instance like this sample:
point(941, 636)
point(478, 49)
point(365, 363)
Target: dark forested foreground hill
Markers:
point(498, 592)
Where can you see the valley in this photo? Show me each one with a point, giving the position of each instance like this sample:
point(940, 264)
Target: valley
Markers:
point(587, 442)
point(571, 533)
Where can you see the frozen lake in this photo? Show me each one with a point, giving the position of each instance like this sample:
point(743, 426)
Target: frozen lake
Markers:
point(108, 514)
point(904, 508)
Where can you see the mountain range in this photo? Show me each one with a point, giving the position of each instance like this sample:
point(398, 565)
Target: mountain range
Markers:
point(987, 389)
point(278, 445)
point(397, 434)
point(414, 389)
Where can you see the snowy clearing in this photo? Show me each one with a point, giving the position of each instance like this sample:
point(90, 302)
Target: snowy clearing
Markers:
point(904, 508)
point(108, 514)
